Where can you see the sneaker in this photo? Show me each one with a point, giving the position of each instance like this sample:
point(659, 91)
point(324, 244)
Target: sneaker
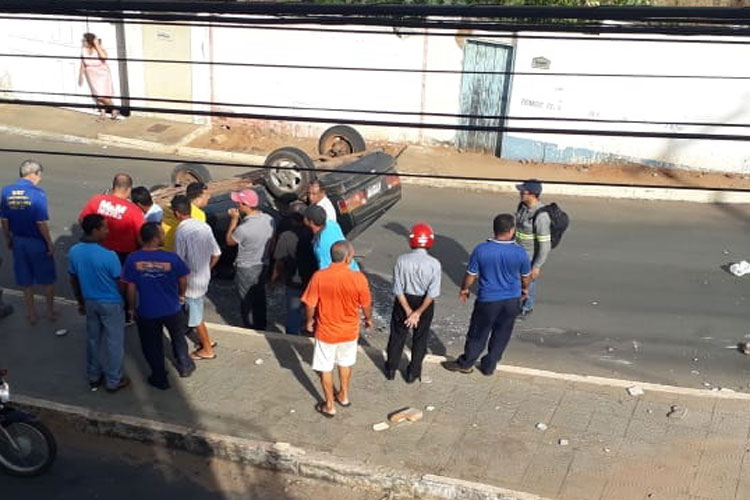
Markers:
point(124, 382)
point(453, 366)
point(95, 385)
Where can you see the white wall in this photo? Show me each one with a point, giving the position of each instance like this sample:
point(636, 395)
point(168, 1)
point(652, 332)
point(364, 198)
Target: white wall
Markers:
point(50, 37)
point(359, 90)
point(628, 98)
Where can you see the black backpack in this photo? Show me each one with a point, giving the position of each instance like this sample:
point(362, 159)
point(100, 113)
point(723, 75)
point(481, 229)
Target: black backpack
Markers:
point(559, 221)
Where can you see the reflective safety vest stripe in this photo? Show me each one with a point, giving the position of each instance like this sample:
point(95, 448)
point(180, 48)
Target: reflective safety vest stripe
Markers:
point(544, 237)
point(524, 236)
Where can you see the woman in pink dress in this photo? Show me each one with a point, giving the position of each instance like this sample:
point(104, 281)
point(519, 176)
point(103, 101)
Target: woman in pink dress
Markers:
point(94, 67)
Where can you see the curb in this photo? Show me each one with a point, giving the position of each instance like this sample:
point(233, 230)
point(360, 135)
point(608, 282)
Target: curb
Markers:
point(278, 456)
point(617, 192)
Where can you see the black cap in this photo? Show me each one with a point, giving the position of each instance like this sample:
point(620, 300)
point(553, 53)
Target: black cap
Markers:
point(316, 215)
point(533, 186)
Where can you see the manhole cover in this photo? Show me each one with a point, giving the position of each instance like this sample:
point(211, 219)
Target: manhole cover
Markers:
point(158, 128)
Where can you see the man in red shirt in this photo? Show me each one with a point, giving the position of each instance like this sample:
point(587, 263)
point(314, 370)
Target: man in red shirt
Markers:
point(124, 218)
point(334, 299)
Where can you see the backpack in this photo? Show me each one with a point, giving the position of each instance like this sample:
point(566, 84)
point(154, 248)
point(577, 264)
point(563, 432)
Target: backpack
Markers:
point(559, 221)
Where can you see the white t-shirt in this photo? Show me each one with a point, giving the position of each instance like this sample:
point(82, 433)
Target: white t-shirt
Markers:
point(327, 205)
point(195, 244)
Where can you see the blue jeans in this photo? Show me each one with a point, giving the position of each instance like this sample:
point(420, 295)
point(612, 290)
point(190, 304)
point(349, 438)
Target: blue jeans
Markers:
point(528, 304)
point(105, 325)
point(295, 310)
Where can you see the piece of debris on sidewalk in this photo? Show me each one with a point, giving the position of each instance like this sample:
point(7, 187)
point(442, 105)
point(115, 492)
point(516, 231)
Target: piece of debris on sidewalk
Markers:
point(380, 426)
point(541, 426)
point(676, 411)
point(258, 361)
point(740, 268)
point(563, 442)
point(406, 414)
point(429, 408)
point(635, 390)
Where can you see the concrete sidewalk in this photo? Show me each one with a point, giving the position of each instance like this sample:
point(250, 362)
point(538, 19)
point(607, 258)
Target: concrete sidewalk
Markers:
point(164, 136)
point(475, 428)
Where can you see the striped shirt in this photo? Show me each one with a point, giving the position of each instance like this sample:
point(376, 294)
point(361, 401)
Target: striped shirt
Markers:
point(417, 273)
point(533, 236)
point(195, 244)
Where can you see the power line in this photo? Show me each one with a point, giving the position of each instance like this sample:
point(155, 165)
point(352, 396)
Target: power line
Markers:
point(439, 126)
point(379, 70)
point(592, 36)
point(397, 113)
point(323, 169)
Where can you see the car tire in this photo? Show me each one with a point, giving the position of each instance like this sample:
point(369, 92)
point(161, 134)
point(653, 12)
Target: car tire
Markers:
point(340, 140)
point(185, 173)
point(288, 171)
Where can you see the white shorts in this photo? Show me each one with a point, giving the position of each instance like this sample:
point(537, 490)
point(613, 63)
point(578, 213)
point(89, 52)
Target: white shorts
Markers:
point(326, 355)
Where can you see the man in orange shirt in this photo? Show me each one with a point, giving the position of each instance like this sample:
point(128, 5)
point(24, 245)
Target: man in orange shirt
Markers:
point(334, 299)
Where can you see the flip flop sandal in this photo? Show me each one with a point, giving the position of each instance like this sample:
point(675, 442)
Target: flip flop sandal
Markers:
point(320, 409)
point(336, 398)
point(196, 356)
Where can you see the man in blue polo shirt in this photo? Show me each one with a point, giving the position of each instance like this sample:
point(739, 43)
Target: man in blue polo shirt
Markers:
point(95, 277)
point(326, 233)
point(504, 272)
point(23, 210)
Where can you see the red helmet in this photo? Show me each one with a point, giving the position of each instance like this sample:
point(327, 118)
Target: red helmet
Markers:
point(421, 236)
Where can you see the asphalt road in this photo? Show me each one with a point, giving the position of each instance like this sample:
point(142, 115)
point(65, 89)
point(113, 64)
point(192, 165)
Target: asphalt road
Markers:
point(636, 290)
point(92, 467)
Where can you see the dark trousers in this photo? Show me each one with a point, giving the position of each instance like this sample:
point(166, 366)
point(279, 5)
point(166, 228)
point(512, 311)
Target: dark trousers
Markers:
point(150, 332)
point(399, 332)
point(493, 320)
point(252, 282)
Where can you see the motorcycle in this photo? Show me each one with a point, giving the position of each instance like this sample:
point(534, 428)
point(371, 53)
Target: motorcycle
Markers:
point(27, 447)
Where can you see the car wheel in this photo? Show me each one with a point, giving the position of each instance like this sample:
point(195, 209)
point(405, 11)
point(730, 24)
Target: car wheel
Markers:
point(288, 171)
point(340, 140)
point(185, 173)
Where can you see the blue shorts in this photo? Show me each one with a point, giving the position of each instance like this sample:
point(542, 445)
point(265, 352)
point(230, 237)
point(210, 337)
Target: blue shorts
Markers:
point(195, 311)
point(31, 263)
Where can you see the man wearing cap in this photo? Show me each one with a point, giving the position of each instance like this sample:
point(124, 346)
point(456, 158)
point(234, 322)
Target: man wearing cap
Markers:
point(326, 233)
point(533, 234)
point(251, 231)
point(294, 263)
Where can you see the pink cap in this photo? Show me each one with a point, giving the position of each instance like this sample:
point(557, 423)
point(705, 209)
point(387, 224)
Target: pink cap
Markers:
point(246, 197)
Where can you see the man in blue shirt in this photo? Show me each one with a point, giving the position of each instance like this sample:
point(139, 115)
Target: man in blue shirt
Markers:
point(326, 233)
point(504, 272)
point(23, 210)
point(95, 275)
point(160, 280)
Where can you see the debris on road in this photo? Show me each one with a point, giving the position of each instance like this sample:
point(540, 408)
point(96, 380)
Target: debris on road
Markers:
point(607, 450)
point(258, 361)
point(563, 442)
point(635, 390)
point(541, 426)
point(380, 426)
point(429, 408)
point(695, 372)
point(595, 303)
point(610, 349)
point(707, 384)
point(740, 268)
point(676, 411)
point(61, 332)
point(407, 414)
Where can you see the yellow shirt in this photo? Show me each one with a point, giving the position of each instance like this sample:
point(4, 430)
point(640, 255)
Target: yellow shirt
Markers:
point(169, 224)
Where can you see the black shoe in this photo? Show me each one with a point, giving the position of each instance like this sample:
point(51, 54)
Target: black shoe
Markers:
point(453, 366)
point(159, 385)
point(124, 382)
point(410, 378)
point(487, 373)
point(95, 385)
point(186, 372)
point(390, 374)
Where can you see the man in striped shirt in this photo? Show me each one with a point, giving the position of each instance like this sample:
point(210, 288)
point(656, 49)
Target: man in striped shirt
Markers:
point(196, 245)
point(533, 234)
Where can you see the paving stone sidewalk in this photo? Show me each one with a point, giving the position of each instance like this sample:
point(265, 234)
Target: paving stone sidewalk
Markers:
point(481, 428)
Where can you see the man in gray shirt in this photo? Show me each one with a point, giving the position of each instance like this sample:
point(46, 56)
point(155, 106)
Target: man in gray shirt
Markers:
point(416, 285)
point(253, 239)
point(533, 234)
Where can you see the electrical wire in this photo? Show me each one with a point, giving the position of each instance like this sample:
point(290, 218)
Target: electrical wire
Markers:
point(396, 113)
point(593, 36)
point(323, 169)
point(380, 123)
point(380, 70)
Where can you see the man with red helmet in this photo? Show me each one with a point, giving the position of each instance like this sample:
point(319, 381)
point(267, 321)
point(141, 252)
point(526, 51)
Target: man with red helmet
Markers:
point(416, 285)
